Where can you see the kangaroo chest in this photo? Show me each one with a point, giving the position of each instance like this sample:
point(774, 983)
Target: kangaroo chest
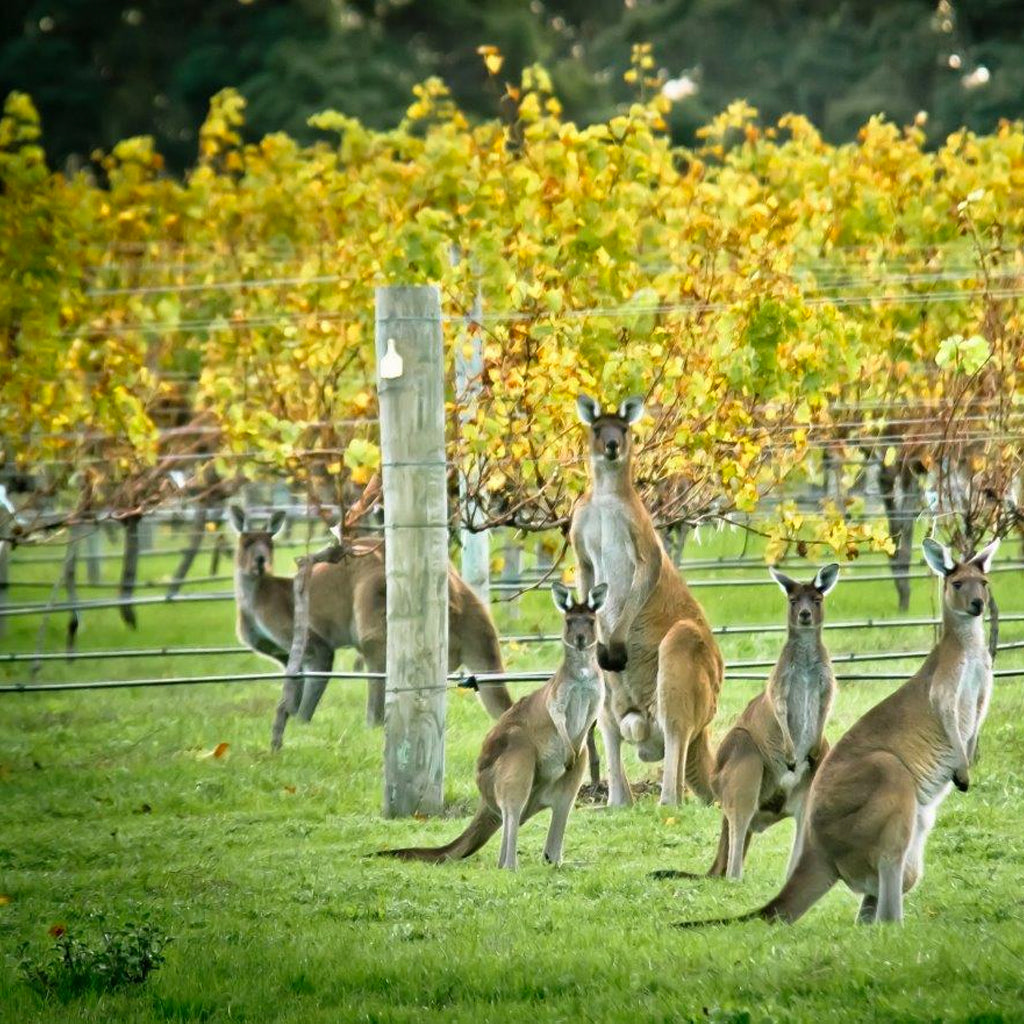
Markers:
point(806, 679)
point(803, 711)
point(974, 685)
point(608, 544)
point(580, 700)
point(967, 685)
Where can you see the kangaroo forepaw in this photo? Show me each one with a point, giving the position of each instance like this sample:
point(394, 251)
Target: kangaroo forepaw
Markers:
point(962, 779)
point(612, 657)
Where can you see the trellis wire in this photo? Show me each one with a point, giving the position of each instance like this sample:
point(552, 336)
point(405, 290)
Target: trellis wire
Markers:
point(511, 585)
point(826, 277)
point(240, 650)
point(38, 608)
point(230, 322)
point(460, 681)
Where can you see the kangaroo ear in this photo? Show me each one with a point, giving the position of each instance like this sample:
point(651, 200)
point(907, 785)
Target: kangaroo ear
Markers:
point(276, 522)
point(562, 596)
point(597, 596)
point(939, 559)
point(587, 408)
point(826, 577)
point(632, 409)
point(335, 532)
point(787, 583)
point(983, 559)
point(236, 517)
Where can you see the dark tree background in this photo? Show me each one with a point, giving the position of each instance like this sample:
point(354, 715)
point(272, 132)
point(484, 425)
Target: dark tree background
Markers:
point(101, 70)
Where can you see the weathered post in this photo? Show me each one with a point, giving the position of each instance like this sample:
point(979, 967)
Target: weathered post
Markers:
point(93, 550)
point(410, 383)
point(512, 571)
point(5, 554)
point(469, 368)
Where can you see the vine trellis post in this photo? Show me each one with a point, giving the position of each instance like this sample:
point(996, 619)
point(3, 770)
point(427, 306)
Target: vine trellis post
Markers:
point(469, 369)
point(410, 383)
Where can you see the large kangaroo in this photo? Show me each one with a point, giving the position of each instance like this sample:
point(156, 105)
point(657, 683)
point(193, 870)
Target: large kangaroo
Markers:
point(536, 755)
point(765, 763)
point(347, 606)
point(874, 799)
point(664, 669)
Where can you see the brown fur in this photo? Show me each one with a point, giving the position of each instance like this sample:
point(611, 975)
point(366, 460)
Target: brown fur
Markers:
point(536, 755)
point(347, 608)
point(874, 799)
point(663, 667)
point(762, 771)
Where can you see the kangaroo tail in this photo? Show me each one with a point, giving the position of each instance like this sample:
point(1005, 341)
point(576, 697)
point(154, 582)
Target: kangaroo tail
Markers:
point(481, 653)
point(811, 879)
point(484, 824)
point(700, 766)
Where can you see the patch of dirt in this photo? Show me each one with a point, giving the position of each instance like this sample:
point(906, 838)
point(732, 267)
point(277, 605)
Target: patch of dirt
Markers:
point(594, 794)
point(460, 808)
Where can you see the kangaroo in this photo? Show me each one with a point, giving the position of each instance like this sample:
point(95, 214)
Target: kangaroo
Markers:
point(765, 763)
point(536, 755)
point(664, 669)
point(347, 605)
point(874, 799)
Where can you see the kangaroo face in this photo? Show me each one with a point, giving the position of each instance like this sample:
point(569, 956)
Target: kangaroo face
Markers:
point(965, 584)
point(807, 600)
point(255, 554)
point(609, 433)
point(966, 590)
point(580, 628)
point(579, 631)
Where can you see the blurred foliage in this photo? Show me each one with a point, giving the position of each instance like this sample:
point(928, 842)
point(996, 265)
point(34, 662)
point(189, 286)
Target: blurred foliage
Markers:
point(102, 71)
point(774, 297)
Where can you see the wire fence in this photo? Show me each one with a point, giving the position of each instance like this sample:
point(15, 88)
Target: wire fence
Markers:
point(240, 650)
point(503, 585)
point(455, 682)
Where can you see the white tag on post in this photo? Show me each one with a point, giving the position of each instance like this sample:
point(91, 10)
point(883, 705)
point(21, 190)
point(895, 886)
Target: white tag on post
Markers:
point(391, 364)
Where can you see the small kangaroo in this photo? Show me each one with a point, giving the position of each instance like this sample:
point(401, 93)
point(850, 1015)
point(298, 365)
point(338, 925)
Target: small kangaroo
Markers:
point(347, 606)
point(664, 669)
point(765, 763)
point(874, 799)
point(536, 755)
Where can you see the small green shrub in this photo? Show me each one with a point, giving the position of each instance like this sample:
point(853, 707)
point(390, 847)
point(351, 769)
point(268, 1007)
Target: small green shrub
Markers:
point(71, 966)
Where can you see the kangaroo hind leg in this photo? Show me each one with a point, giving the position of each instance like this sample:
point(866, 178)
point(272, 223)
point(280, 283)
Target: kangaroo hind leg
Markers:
point(673, 774)
point(319, 658)
point(512, 793)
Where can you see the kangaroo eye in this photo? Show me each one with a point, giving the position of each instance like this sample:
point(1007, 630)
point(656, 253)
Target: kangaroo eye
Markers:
point(957, 586)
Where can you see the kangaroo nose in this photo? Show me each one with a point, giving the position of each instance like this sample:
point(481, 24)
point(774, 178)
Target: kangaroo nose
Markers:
point(805, 616)
point(612, 449)
point(261, 561)
point(976, 605)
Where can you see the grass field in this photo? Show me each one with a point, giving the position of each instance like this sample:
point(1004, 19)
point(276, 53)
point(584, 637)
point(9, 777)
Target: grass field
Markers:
point(254, 864)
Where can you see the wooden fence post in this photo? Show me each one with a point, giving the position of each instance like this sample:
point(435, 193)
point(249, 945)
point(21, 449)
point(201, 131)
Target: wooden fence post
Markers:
point(469, 368)
point(5, 554)
point(410, 383)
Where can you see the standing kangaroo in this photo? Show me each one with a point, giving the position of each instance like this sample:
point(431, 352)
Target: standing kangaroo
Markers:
point(347, 605)
point(664, 669)
point(536, 755)
point(765, 763)
point(874, 799)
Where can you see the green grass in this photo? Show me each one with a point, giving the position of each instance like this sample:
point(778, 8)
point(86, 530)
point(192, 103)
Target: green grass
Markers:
point(255, 864)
